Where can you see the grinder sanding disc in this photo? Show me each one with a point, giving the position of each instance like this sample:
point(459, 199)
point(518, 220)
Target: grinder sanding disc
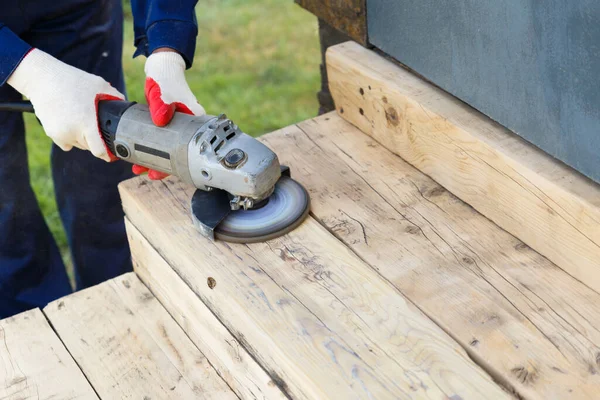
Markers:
point(285, 209)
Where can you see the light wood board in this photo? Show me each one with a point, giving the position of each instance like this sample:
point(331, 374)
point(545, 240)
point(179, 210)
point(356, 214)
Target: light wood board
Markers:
point(321, 322)
point(549, 206)
point(34, 364)
point(129, 347)
point(526, 321)
point(226, 354)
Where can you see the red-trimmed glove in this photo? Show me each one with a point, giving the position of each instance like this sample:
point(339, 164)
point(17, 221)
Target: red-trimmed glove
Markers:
point(167, 92)
point(65, 100)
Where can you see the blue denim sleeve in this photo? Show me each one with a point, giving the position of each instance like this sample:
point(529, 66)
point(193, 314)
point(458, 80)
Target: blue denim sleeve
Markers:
point(12, 51)
point(165, 23)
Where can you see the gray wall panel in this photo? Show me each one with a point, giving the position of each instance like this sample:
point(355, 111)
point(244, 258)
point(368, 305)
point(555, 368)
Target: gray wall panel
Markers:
point(532, 65)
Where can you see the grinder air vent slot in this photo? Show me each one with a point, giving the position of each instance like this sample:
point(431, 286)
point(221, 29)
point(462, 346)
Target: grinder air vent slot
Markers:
point(230, 136)
point(213, 139)
point(221, 143)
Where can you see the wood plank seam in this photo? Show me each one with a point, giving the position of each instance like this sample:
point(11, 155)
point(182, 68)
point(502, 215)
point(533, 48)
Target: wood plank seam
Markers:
point(478, 360)
point(130, 347)
point(280, 383)
point(181, 372)
point(69, 352)
point(549, 206)
point(193, 319)
point(191, 341)
point(239, 336)
point(35, 363)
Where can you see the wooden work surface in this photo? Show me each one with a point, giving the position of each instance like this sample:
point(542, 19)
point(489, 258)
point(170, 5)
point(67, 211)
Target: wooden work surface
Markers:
point(393, 288)
point(112, 341)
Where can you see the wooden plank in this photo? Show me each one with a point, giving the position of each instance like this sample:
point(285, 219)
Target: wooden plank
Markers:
point(35, 364)
point(320, 321)
point(347, 16)
point(549, 206)
point(129, 347)
point(225, 353)
point(528, 323)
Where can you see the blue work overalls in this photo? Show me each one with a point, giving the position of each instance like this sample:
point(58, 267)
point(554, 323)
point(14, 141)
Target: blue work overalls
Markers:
point(87, 34)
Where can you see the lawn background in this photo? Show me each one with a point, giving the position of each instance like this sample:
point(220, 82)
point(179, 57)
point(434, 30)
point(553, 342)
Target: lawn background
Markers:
point(257, 61)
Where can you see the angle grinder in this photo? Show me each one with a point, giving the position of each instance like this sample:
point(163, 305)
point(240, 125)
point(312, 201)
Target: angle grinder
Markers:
point(243, 194)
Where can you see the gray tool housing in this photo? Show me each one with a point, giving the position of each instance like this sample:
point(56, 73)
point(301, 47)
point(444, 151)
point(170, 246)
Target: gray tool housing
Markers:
point(207, 152)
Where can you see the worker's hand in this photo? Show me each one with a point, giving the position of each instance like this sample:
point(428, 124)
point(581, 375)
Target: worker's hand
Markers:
point(166, 89)
point(65, 100)
point(167, 92)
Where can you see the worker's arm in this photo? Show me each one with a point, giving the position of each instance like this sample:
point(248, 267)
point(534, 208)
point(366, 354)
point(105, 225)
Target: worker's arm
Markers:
point(165, 24)
point(13, 49)
point(165, 31)
point(65, 98)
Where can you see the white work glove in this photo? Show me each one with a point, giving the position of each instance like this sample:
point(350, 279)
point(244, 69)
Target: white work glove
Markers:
point(65, 100)
point(167, 92)
point(166, 89)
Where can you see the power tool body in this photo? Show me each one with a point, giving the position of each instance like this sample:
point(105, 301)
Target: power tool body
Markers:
point(243, 194)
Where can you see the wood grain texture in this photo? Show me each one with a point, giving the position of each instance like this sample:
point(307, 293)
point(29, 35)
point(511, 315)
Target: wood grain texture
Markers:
point(34, 364)
point(129, 347)
point(527, 322)
point(347, 16)
point(321, 322)
point(549, 206)
point(225, 353)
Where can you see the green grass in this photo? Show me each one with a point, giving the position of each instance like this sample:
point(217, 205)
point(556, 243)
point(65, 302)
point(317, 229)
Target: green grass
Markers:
point(257, 61)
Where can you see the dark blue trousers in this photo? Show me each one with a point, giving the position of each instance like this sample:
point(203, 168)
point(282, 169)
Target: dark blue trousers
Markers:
point(88, 35)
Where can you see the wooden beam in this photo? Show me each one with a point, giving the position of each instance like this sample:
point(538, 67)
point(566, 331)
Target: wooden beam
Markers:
point(318, 319)
point(228, 356)
point(129, 347)
point(35, 364)
point(527, 322)
point(544, 203)
point(347, 16)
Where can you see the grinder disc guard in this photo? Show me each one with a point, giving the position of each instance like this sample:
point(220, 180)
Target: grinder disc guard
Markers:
point(284, 210)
